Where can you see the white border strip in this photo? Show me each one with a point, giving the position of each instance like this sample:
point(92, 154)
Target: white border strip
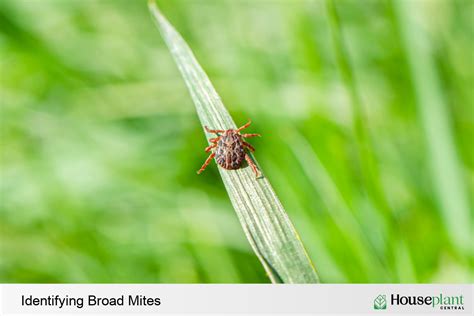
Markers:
point(236, 299)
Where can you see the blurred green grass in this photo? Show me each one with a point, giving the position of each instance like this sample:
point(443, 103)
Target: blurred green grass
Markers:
point(100, 142)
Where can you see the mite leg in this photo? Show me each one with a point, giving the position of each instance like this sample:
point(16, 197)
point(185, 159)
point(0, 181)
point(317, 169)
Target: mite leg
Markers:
point(250, 135)
point(208, 148)
point(208, 160)
point(214, 140)
point(214, 131)
point(252, 164)
point(244, 126)
point(248, 146)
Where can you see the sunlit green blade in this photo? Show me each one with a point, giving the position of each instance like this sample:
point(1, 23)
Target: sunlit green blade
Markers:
point(265, 222)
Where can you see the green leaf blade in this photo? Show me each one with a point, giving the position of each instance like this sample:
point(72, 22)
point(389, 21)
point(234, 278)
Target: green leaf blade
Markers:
point(263, 218)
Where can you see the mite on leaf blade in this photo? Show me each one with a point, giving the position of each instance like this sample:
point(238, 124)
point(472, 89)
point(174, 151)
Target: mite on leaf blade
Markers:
point(230, 149)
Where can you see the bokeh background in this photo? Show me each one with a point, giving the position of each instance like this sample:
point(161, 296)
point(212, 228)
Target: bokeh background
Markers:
point(367, 139)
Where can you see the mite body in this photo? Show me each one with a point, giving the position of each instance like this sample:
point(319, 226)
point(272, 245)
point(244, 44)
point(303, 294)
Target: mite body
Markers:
point(230, 148)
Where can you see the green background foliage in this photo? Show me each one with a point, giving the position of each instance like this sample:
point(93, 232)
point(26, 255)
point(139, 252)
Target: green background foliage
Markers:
point(100, 141)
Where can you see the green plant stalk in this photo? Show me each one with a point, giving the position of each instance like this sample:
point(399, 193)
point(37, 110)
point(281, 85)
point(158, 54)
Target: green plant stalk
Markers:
point(368, 163)
point(340, 211)
point(264, 220)
point(434, 116)
point(369, 168)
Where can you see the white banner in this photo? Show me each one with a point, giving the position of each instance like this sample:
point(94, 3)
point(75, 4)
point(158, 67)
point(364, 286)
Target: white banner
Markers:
point(235, 299)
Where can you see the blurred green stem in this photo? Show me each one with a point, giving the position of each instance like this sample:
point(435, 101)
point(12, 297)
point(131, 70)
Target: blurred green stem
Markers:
point(340, 211)
point(434, 117)
point(369, 169)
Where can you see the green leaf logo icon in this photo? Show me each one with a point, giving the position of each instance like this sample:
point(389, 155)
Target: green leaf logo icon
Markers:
point(380, 302)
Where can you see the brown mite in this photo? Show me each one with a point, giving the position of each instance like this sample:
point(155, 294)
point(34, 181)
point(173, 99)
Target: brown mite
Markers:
point(230, 149)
